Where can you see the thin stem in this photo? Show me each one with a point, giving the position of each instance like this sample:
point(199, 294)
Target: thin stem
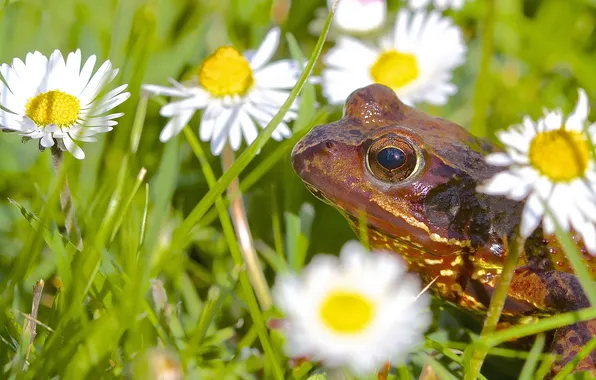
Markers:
point(516, 245)
point(70, 222)
point(242, 229)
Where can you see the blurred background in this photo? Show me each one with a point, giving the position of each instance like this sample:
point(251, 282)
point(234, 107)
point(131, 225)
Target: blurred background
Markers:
point(542, 51)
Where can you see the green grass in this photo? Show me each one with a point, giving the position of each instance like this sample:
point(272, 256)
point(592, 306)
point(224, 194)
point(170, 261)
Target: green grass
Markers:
point(160, 266)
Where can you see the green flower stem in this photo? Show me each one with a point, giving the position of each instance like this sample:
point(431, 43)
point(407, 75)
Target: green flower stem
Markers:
point(244, 236)
point(249, 296)
point(581, 355)
point(70, 222)
point(516, 245)
point(482, 91)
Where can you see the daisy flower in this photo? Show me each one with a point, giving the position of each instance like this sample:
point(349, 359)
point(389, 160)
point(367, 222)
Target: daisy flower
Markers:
point(438, 4)
point(55, 100)
point(356, 17)
point(415, 60)
point(357, 311)
point(235, 91)
point(548, 163)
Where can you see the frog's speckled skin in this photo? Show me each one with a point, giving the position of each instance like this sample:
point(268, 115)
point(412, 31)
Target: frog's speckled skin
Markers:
point(434, 218)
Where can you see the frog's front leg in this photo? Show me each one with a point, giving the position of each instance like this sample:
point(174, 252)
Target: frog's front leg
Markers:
point(558, 292)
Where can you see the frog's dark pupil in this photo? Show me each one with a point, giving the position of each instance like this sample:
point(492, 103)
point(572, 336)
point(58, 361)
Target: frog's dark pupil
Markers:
point(391, 158)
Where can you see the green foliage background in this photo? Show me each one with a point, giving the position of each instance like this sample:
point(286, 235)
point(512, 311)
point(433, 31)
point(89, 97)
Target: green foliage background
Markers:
point(101, 304)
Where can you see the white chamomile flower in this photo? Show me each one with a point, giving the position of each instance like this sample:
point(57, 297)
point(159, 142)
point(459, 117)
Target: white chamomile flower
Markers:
point(55, 101)
point(358, 311)
point(437, 4)
point(415, 61)
point(356, 17)
point(548, 163)
point(236, 91)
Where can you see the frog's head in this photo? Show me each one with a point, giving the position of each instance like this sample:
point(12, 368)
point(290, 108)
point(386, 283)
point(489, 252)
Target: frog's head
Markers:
point(411, 175)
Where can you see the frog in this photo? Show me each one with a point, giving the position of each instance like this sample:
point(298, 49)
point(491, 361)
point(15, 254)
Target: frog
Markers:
point(413, 179)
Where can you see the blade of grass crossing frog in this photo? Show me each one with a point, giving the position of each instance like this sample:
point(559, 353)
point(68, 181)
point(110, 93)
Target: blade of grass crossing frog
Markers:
point(306, 111)
point(575, 258)
point(533, 358)
point(584, 352)
point(363, 228)
point(250, 152)
point(545, 324)
point(496, 351)
point(228, 229)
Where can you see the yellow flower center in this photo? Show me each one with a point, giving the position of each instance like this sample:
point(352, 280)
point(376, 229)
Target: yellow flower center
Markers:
point(53, 107)
point(226, 72)
point(561, 155)
point(347, 312)
point(395, 69)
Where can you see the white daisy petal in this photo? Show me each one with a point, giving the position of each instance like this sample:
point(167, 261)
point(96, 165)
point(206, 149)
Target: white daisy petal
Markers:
point(73, 148)
point(176, 124)
point(278, 75)
point(47, 141)
point(221, 130)
point(167, 91)
point(104, 75)
point(578, 117)
point(194, 103)
point(265, 52)
point(249, 130)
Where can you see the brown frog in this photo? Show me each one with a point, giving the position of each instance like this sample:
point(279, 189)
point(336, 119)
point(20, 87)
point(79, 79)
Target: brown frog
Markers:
point(414, 177)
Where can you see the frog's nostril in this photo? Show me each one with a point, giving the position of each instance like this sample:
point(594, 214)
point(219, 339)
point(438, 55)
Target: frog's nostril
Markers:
point(329, 145)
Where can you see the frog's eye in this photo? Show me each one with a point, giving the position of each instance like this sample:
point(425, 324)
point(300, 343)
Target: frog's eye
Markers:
point(391, 159)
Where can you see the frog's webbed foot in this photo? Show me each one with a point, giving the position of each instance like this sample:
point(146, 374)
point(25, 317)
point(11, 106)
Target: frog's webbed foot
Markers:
point(562, 292)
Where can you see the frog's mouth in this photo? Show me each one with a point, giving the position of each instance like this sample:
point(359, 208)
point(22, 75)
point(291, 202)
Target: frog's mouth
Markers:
point(318, 193)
